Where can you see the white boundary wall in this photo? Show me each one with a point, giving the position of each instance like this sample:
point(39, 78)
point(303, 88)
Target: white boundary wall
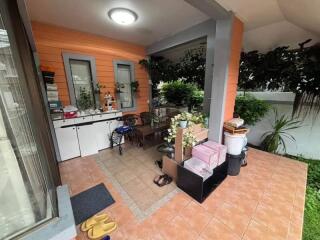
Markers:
point(307, 137)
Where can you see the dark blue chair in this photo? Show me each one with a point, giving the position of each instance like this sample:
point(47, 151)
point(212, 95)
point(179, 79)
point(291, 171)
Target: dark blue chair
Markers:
point(127, 130)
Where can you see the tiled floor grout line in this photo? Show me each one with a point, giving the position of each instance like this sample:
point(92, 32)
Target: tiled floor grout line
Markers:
point(272, 188)
point(140, 215)
point(251, 217)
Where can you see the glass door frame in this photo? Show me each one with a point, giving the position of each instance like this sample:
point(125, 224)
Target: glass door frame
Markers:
point(31, 91)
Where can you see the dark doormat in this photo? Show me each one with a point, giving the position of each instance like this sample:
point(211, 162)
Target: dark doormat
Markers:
point(90, 202)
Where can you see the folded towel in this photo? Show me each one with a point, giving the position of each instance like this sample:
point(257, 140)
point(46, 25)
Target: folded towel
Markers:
point(235, 122)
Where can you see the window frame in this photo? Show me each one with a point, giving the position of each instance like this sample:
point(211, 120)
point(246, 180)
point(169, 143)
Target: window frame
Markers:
point(132, 77)
point(92, 61)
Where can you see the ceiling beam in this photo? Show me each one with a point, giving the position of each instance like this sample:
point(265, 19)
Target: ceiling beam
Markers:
point(211, 8)
point(195, 32)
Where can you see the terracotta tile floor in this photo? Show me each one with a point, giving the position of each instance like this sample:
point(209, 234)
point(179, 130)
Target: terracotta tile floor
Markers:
point(266, 201)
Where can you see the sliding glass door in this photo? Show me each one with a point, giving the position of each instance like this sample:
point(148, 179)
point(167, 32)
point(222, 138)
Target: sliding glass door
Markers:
point(26, 184)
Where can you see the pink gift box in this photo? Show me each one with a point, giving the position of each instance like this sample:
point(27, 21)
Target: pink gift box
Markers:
point(222, 150)
point(207, 155)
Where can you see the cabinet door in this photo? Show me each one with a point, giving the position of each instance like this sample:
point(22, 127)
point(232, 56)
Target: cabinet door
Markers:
point(87, 140)
point(102, 130)
point(67, 142)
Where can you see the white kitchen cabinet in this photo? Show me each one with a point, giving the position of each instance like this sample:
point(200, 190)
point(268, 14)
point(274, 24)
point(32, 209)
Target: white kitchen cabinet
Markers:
point(87, 139)
point(102, 134)
point(67, 142)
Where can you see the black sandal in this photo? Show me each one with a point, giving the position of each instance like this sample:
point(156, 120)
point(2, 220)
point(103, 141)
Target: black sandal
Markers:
point(158, 178)
point(166, 180)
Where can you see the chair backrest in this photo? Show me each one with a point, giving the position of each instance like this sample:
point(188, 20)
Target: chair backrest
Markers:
point(130, 119)
point(172, 114)
point(146, 118)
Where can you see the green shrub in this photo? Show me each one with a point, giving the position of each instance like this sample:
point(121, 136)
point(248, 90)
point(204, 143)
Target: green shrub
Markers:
point(250, 109)
point(311, 230)
point(178, 92)
point(197, 98)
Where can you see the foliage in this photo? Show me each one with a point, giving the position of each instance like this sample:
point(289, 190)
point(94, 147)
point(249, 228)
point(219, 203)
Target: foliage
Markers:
point(85, 100)
point(313, 171)
point(251, 109)
point(159, 69)
point(98, 88)
point(189, 69)
point(134, 86)
point(276, 138)
point(284, 69)
point(197, 98)
point(188, 139)
point(311, 230)
point(178, 92)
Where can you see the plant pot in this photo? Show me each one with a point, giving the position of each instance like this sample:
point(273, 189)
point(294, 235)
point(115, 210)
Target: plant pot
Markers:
point(183, 124)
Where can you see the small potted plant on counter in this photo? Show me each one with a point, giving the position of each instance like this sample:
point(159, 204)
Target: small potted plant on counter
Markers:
point(134, 86)
point(85, 100)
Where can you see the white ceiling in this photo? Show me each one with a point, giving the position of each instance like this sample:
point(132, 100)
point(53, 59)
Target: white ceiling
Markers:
point(157, 19)
point(303, 13)
point(258, 13)
point(282, 33)
point(272, 23)
point(254, 13)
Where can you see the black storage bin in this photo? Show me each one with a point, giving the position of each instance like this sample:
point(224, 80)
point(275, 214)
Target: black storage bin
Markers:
point(194, 185)
point(234, 164)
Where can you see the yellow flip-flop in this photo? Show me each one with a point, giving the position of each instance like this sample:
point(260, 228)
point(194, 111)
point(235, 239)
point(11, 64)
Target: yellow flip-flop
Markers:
point(89, 223)
point(102, 229)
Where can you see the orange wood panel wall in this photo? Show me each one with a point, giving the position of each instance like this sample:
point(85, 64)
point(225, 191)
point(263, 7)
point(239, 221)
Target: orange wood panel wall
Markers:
point(52, 41)
point(234, 63)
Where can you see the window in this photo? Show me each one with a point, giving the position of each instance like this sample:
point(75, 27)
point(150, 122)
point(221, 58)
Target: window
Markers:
point(124, 74)
point(81, 76)
point(26, 185)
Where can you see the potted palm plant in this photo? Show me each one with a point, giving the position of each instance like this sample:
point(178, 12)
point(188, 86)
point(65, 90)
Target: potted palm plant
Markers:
point(275, 138)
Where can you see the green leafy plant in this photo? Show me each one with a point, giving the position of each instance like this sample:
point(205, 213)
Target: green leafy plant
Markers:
point(311, 230)
point(275, 138)
point(119, 86)
point(285, 69)
point(85, 100)
point(190, 68)
point(178, 92)
point(197, 98)
point(185, 116)
point(134, 86)
point(159, 69)
point(188, 138)
point(98, 88)
point(251, 109)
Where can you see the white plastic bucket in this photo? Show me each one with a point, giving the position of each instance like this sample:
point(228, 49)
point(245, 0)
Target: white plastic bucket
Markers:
point(234, 142)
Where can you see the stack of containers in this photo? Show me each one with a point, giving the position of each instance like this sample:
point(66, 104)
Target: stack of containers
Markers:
point(236, 141)
point(52, 93)
point(205, 158)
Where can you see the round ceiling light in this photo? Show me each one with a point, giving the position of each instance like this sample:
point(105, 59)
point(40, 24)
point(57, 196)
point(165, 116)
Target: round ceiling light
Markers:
point(122, 16)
